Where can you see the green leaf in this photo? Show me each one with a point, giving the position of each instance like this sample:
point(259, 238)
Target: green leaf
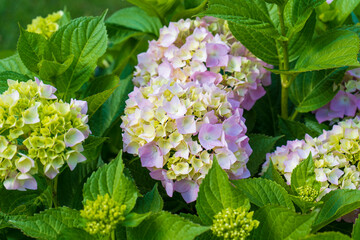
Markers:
point(163, 226)
point(304, 175)
point(14, 64)
point(277, 2)
point(297, 12)
point(273, 175)
point(151, 202)
point(217, 193)
point(314, 126)
point(344, 9)
point(260, 144)
point(337, 203)
point(250, 14)
point(262, 192)
point(85, 38)
point(312, 90)
point(191, 8)
point(25, 202)
point(333, 49)
point(134, 219)
point(111, 179)
point(294, 130)
point(111, 110)
point(71, 195)
point(154, 7)
point(356, 230)
point(74, 233)
point(278, 222)
point(48, 224)
point(97, 100)
point(31, 48)
point(305, 206)
point(261, 45)
point(4, 76)
point(48, 70)
point(136, 19)
point(328, 236)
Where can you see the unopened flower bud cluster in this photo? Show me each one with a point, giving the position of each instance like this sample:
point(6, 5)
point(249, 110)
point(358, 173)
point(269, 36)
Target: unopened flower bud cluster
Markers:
point(191, 83)
point(102, 215)
point(38, 133)
point(45, 26)
point(335, 154)
point(307, 193)
point(234, 223)
point(346, 102)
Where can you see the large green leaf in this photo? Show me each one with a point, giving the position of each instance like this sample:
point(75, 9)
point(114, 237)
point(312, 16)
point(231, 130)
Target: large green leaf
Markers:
point(31, 48)
point(297, 12)
point(110, 179)
point(14, 64)
point(26, 202)
point(273, 175)
point(190, 9)
point(137, 19)
point(304, 175)
point(151, 202)
point(85, 38)
point(97, 100)
point(261, 145)
point(328, 236)
point(217, 193)
point(278, 222)
point(50, 69)
point(251, 14)
point(331, 50)
point(48, 224)
point(336, 204)
point(71, 195)
point(4, 76)
point(164, 226)
point(312, 90)
point(262, 192)
point(344, 9)
point(294, 129)
point(110, 111)
point(158, 8)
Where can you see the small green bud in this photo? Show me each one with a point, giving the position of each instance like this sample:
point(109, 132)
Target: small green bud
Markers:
point(307, 193)
point(102, 215)
point(234, 223)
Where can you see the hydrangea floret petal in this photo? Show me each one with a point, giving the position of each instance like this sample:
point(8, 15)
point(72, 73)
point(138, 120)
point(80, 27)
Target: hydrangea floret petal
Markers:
point(45, 26)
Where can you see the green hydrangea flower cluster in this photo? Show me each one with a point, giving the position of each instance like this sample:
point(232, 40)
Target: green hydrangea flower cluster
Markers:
point(307, 193)
point(102, 214)
point(38, 133)
point(234, 223)
point(45, 26)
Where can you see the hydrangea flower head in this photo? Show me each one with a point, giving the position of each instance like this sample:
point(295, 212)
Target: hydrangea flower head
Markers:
point(191, 87)
point(38, 130)
point(102, 215)
point(346, 102)
point(234, 223)
point(335, 154)
point(204, 50)
point(45, 26)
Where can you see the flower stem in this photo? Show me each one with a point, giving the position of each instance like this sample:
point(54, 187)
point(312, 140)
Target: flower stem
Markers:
point(112, 236)
point(53, 185)
point(284, 65)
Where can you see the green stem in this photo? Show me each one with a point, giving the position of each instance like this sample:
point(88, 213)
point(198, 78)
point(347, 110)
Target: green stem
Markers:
point(293, 116)
point(54, 184)
point(112, 237)
point(285, 83)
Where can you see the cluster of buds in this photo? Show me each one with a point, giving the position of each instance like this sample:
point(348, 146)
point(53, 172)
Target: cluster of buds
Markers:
point(234, 223)
point(45, 26)
point(102, 215)
point(192, 84)
point(346, 102)
point(307, 193)
point(37, 129)
point(336, 155)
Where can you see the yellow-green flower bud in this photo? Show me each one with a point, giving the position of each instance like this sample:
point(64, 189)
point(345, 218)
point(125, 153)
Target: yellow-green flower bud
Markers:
point(307, 193)
point(45, 26)
point(234, 223)
point(102, 215)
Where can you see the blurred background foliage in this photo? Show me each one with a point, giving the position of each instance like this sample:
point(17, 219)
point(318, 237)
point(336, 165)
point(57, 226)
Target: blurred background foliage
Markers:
point(14, 12)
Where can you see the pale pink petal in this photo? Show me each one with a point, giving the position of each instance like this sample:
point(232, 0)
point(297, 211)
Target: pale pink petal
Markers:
point(186, 125)
point(73, 137)
point(150, 155)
